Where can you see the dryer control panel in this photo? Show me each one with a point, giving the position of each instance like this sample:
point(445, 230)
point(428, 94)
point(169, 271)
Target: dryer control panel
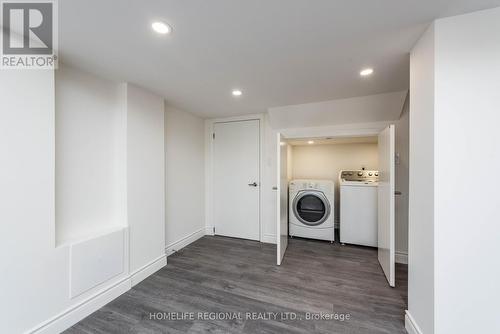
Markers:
point(326, 186)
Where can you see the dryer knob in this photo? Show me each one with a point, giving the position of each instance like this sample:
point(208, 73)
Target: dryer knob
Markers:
point(360, 173)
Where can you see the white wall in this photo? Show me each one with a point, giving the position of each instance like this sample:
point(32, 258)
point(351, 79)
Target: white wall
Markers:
point(326, 161)
point(421, 186)
point(34, 272)
point(467, 223)
point(90, 154)
point(454, 218)
point(145, 176)
point(42, 296)
point(362, 109)
point(185, 178)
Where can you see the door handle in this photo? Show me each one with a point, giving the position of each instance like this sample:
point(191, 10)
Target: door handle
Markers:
point(253, 184)
point(397, 192)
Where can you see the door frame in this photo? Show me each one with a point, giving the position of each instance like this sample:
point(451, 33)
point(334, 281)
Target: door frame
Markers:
point(336, 131)
point(209, 167)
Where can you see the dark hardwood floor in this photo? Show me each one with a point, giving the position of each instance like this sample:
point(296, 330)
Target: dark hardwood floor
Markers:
point(236, 277)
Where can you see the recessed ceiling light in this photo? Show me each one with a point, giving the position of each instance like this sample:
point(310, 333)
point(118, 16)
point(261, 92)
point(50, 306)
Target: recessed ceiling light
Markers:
point(366, 71)
point(161, 28)
point(237, 92)
point(282, 143)
point(310, 142)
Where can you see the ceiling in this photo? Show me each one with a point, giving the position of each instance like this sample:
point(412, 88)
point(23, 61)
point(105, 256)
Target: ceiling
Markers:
point(278, 52)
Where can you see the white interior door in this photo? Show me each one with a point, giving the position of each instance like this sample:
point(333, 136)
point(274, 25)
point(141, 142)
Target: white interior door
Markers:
point(236, 179)
point(386, 214)
point(282, 199)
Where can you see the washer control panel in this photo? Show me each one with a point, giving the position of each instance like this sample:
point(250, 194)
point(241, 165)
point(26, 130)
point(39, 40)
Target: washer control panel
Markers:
point(359, 175)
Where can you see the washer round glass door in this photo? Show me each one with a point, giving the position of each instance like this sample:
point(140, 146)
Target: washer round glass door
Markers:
point(311, 207)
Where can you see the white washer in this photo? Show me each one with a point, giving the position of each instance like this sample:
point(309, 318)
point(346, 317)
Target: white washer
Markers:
point(358, 207)
point(311, 209)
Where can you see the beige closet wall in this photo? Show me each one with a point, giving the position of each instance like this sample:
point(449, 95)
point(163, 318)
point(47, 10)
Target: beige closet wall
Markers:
point(326, 161)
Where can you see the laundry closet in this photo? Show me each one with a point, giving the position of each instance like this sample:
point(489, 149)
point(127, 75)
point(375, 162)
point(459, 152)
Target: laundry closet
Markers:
point(333, 181)
point(339, 189)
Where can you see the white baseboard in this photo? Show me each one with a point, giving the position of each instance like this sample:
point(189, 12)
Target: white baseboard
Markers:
point(402, 257)
point(410, 324)
point(269, 238)
point(183, 242)
point(148, 269)
point(72, 315)
point(209, 230)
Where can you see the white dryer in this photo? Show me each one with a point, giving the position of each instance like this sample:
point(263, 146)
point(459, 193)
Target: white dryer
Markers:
point(358, 207)
point(311, 209)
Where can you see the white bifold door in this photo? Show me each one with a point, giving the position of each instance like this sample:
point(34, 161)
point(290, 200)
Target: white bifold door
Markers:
point(281, 199)
point(236, 179)
point(386, 214)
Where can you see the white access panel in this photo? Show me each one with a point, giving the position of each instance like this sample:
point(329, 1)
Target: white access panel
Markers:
point(358, 214)
point(96, 260)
